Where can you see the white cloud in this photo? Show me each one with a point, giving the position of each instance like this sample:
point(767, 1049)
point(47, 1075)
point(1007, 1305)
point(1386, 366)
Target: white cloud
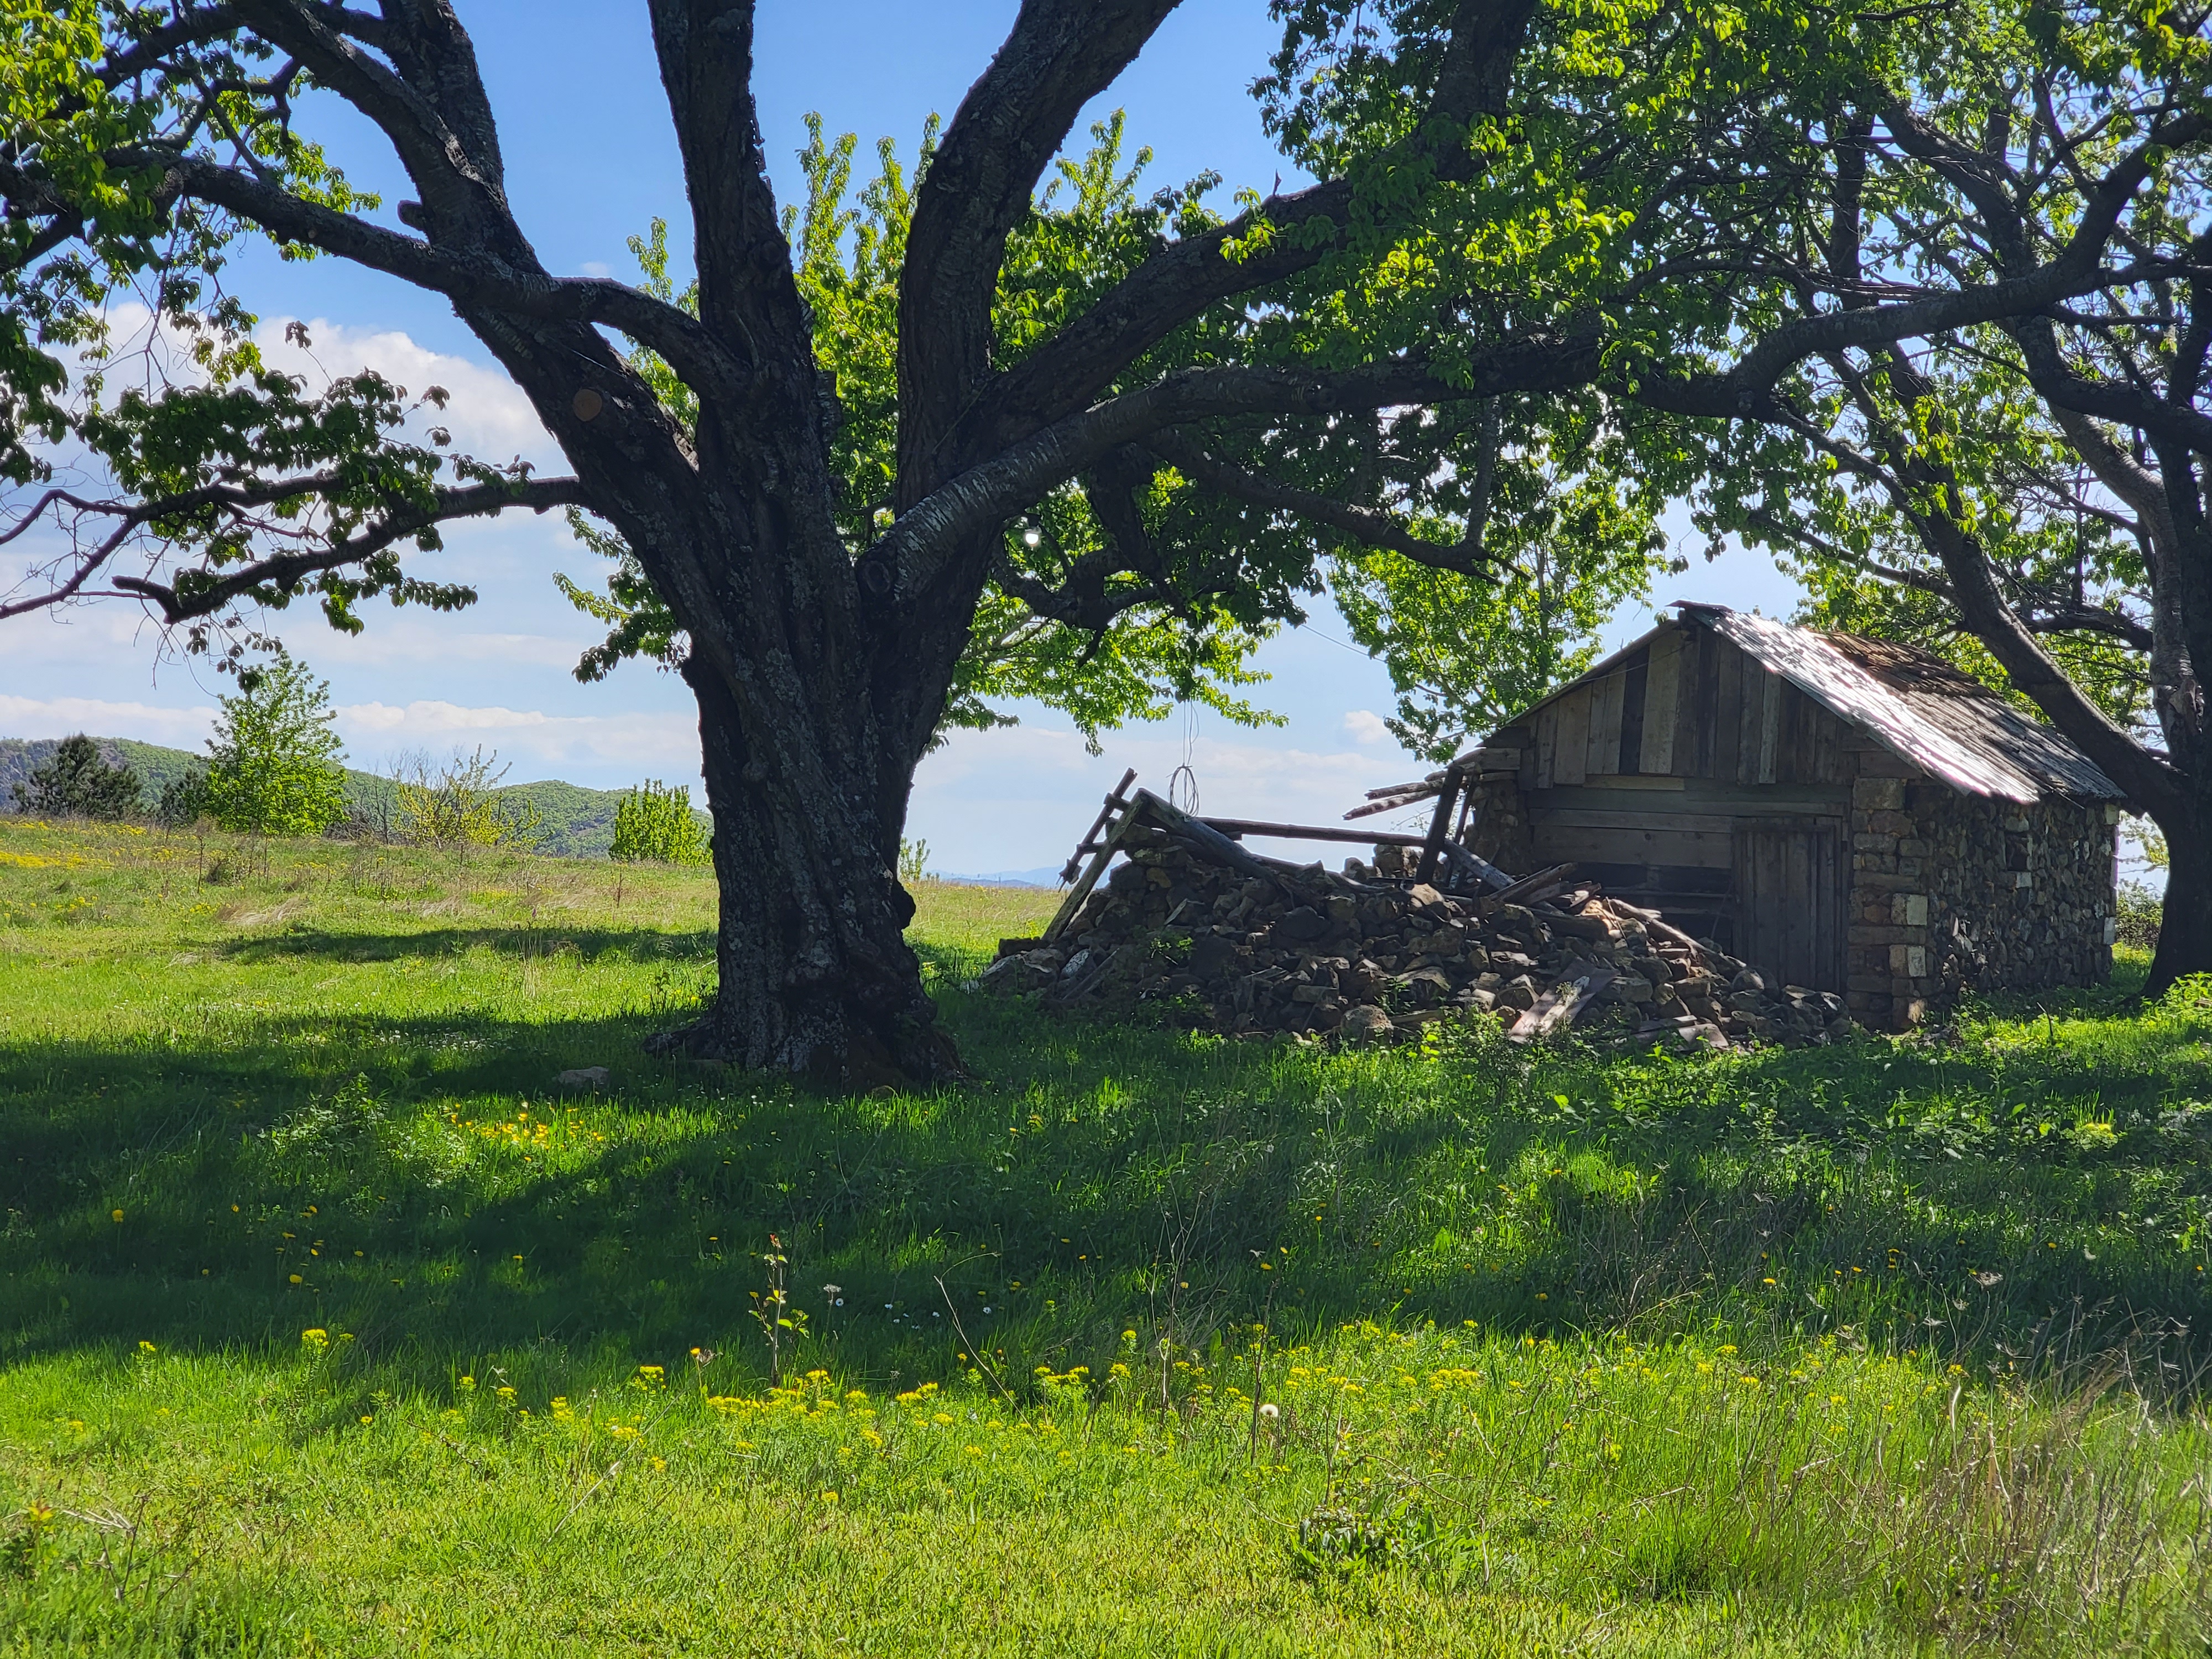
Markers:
point(488, 417)
point(1366, 726)
point(596, 268)
point(58, 717)
point(393, 641)
point(665, 744)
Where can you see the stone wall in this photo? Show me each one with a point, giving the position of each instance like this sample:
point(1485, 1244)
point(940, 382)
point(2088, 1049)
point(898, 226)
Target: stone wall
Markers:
point(1500, 831)
point(1953, 893)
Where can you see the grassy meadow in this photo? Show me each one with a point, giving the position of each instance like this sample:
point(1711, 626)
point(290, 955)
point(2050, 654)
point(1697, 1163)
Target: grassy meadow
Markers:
point(331, 1324)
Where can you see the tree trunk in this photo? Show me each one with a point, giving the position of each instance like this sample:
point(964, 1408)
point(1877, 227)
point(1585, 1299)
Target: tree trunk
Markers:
point(2184, 930)
point(815, 976)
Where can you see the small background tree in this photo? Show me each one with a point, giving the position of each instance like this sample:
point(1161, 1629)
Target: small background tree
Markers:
point(274, 762)
point(182, 801)
point(76, 783)
point(655, 825)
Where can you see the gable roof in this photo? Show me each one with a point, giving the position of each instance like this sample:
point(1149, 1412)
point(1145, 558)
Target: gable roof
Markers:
point(1918, 707)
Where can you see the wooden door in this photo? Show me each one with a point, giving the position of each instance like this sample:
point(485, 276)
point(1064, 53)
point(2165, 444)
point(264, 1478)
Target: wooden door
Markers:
point(1790, 885)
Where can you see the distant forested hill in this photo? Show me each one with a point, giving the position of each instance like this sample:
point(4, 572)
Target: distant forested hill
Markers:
point(579, 823)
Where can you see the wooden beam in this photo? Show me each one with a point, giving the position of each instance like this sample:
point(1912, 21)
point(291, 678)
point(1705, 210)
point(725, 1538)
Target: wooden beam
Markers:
point(1315, 832)
point(1208, 840)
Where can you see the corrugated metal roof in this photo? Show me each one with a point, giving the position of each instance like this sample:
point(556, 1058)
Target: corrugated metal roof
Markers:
point(1920, 709)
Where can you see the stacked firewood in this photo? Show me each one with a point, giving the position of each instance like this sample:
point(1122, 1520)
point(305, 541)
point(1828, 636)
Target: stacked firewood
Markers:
point(1260, 946)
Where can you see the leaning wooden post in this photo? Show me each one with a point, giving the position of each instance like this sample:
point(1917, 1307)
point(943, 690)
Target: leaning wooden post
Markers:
point(1439, 826)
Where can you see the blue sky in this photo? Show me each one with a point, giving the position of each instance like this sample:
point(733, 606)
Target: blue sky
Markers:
point(590, 162)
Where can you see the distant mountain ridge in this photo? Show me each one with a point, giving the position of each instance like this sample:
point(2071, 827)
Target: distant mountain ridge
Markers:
point(578, 822)
point(1045, 875)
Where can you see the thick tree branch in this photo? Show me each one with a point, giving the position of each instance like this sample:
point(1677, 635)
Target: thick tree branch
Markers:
point(1301, 229)
point(1373, 528)
point(1057, 56)
point(183, 599)
point(460, 180)
point(474, 280)
point(2044, 615)
point(922, 543)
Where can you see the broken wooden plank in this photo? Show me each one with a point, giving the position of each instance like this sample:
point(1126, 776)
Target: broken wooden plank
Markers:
point(1475, 864)
point(1391, 805)
point(1553, 878)
point(1557, 1008)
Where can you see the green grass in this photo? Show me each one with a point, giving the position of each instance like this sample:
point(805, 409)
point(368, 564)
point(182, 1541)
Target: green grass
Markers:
point(328, 1323)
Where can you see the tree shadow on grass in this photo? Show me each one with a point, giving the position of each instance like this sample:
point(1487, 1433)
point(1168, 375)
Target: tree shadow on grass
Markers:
point(587, 943)
point(1105, 1178)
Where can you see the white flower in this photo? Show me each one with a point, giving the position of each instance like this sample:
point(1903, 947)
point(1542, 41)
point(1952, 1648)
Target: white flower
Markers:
point(1271, 1410)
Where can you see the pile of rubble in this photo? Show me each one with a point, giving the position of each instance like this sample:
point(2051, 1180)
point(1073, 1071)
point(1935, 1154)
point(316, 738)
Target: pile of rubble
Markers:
point(1218, 939)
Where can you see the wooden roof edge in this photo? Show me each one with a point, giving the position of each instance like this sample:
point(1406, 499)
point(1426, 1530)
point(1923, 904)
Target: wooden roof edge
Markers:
point(1596, 671)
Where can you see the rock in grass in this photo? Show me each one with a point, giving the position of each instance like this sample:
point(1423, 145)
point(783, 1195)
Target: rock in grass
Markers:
point(585, 1077)
point(1366, 1021)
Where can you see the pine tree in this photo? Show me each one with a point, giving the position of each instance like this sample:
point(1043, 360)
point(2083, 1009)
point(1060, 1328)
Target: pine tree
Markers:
point(76, 783)
point(273, 765)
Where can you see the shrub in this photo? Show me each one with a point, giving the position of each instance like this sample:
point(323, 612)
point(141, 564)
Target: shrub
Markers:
point(75, 783)
point(914, 862)
point(273, 767)
point(2139, 912)
point(655, 825)
point(460, 803)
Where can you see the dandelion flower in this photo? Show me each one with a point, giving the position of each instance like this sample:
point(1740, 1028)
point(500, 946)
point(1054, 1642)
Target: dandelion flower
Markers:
point(1271, 1410)
point(116, 1214)
point(296, 1279)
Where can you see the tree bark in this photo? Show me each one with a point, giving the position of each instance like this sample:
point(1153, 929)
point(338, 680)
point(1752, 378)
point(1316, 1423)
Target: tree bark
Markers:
point(2185, 931)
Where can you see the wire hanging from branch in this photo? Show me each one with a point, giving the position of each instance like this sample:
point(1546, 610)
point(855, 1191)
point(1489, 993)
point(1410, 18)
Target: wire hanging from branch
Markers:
point(1183, 782)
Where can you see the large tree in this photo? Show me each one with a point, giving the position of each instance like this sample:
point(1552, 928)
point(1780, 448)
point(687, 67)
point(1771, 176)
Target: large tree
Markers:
point(1532, 222)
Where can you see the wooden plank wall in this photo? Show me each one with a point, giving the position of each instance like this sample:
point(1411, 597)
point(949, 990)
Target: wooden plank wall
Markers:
point(1655, 776)
point(1690, 705)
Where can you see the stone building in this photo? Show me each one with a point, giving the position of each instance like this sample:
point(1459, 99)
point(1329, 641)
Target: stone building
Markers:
point(1846, 814)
